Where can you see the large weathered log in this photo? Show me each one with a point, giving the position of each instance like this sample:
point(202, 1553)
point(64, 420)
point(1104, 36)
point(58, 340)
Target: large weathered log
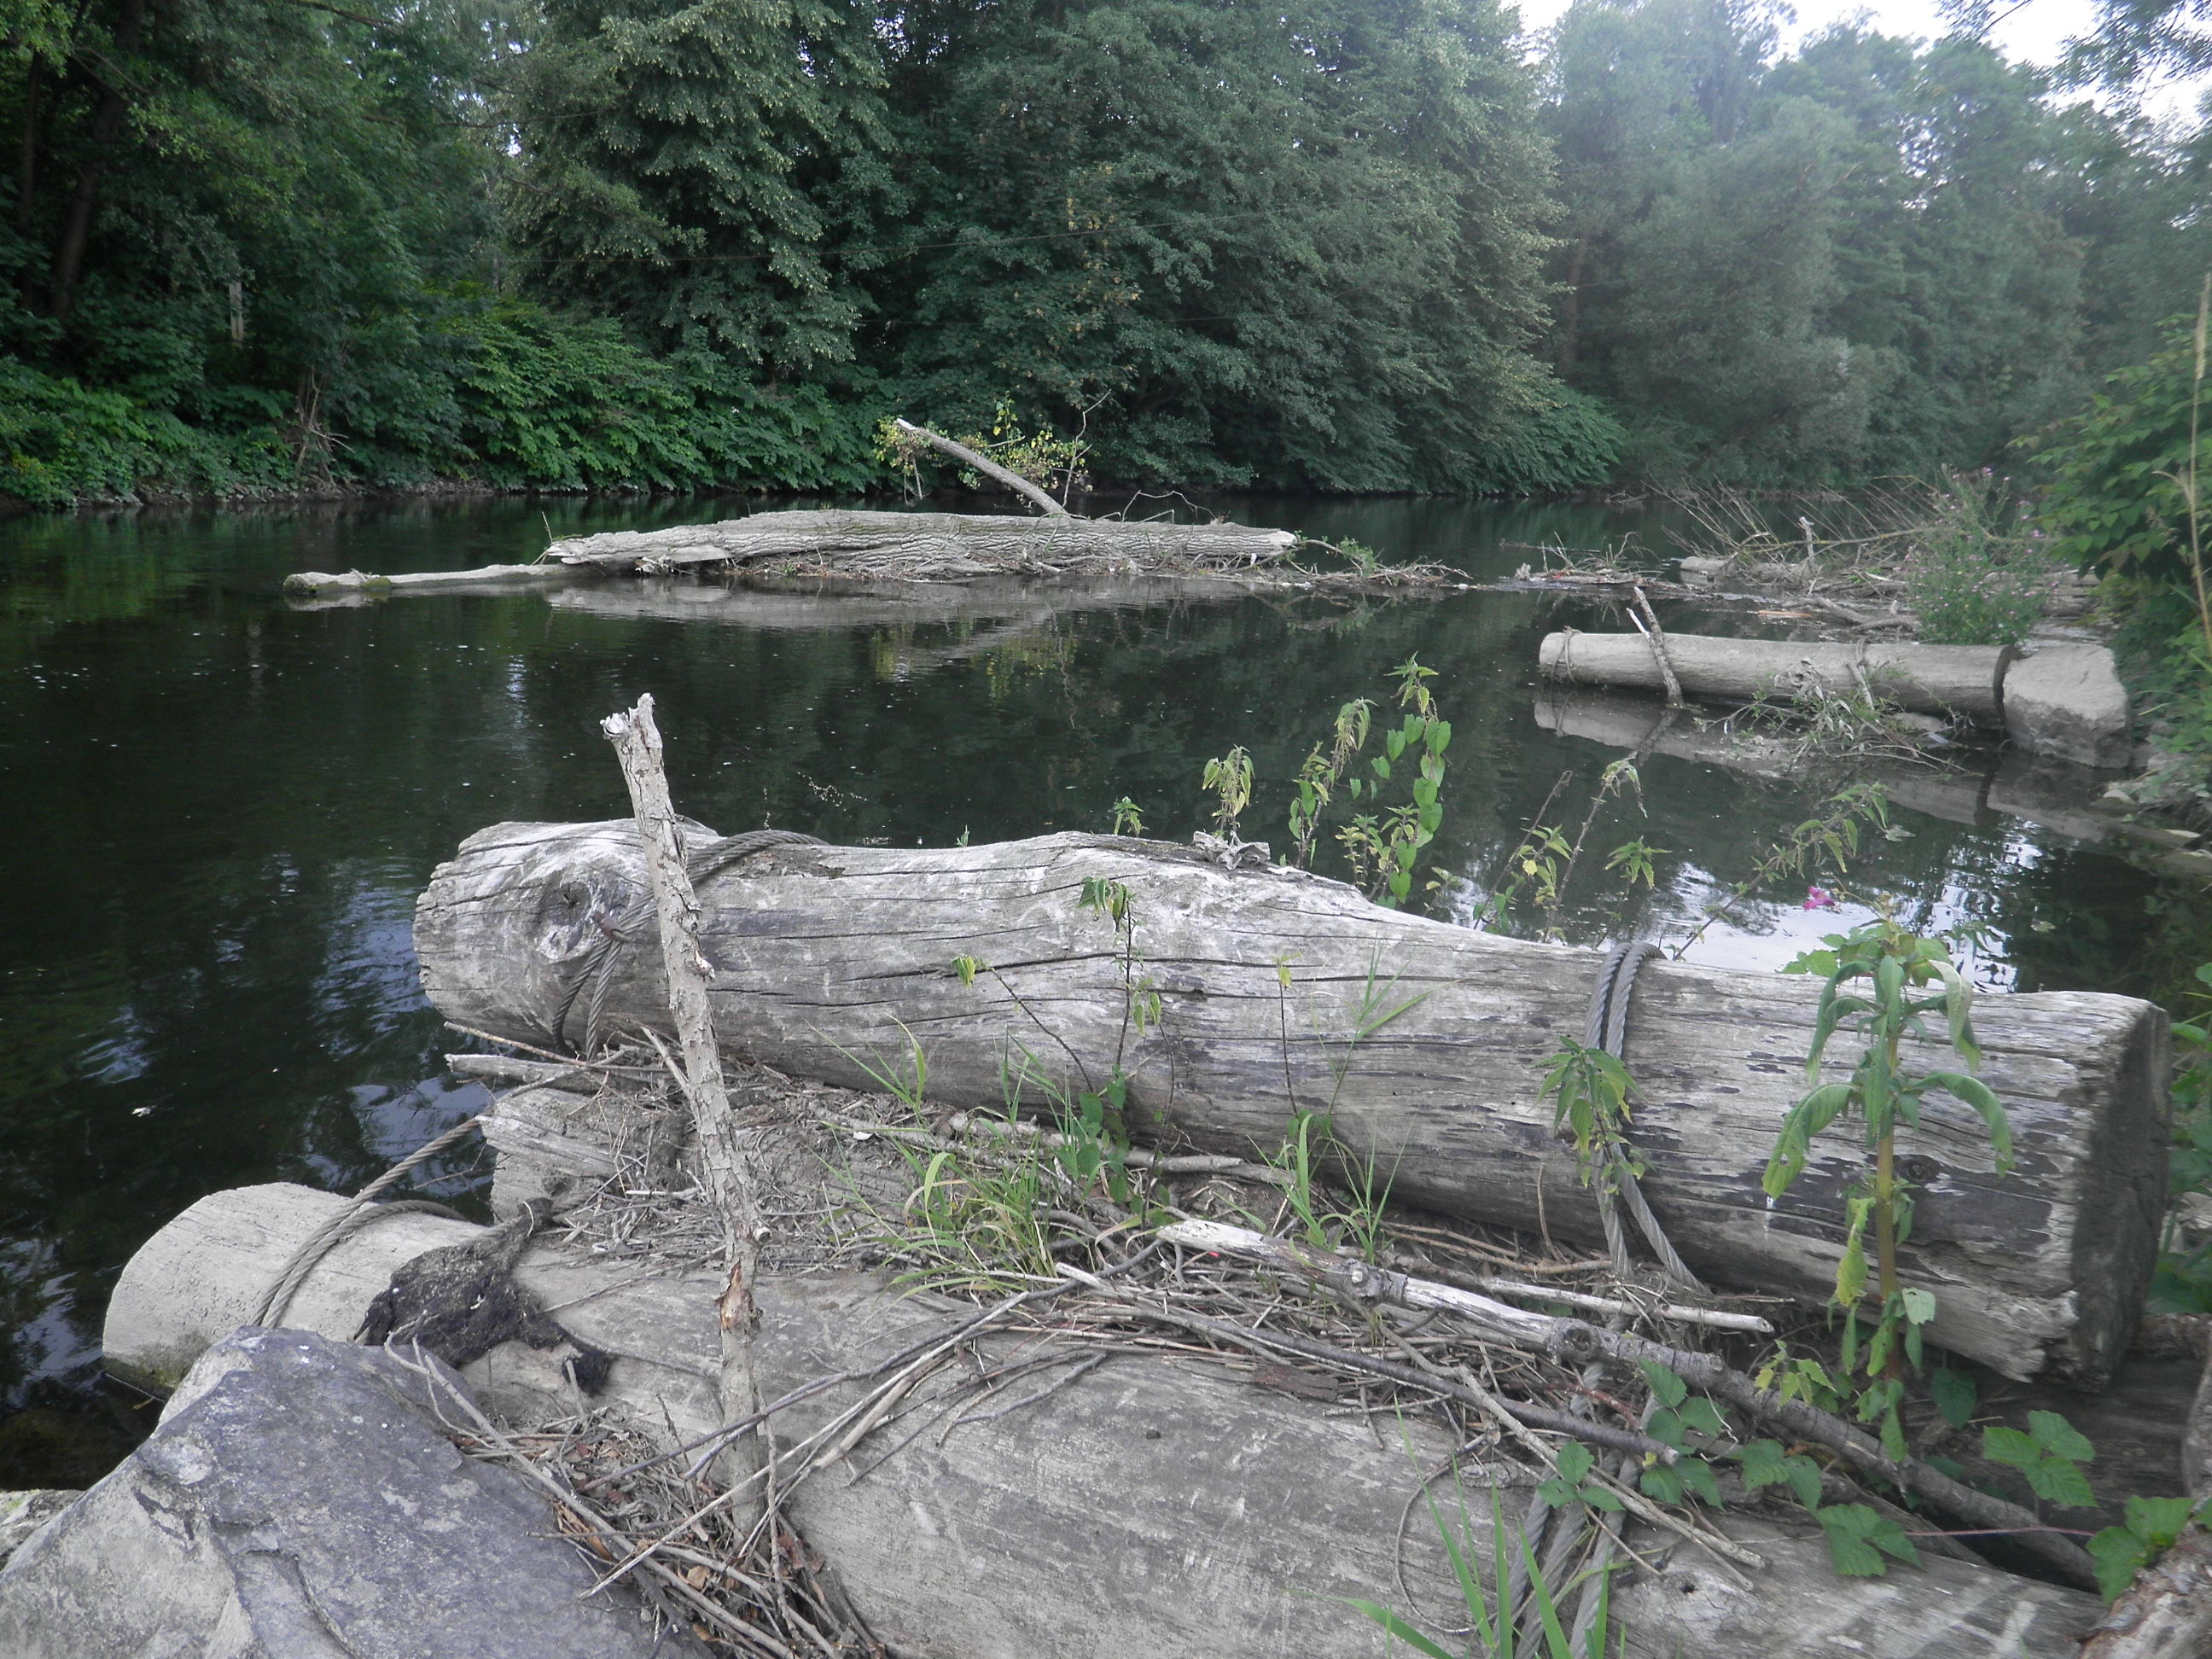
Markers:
point(1426, 1043)
point(935, 544)
point(1936, 679)
point(1147, 1506)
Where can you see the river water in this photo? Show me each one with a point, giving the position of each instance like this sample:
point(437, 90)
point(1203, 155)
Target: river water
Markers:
point(220, 805)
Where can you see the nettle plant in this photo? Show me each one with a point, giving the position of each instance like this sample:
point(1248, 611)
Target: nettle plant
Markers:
point(1884, 982)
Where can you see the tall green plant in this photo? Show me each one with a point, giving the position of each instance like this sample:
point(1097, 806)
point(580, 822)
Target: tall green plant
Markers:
point(1883, 982)
point(1384, 848)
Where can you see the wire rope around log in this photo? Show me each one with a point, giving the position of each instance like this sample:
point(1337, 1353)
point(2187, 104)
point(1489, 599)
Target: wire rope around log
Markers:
point(596, 972)
point(1617, 1187)
point(363, 1210)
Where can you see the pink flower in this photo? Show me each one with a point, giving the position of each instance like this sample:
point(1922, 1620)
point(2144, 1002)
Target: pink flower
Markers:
point(1819, 898)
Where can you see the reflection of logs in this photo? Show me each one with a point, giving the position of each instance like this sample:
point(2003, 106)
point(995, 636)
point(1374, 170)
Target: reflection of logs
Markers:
point(2052, 793)
point(1426, 1042)
point(1147, 1505)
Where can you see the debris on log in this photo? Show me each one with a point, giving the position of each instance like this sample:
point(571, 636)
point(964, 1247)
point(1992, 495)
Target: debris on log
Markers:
point(1043, 1511)
point(1279, 990)
point(2063, 700)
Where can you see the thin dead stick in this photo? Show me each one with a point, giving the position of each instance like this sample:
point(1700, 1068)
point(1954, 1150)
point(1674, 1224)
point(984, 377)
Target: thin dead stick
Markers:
point(1270, 1343)
point(1573, 1339)
point(984, 465)
point(723, 1156)
point(1505, 1414)
point(437, 1389)
point(1658, 638)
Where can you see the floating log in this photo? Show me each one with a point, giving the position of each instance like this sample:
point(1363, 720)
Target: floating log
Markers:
point(515, 577)
point(929, 545)
point(1425, 1044)
point(2064, 700)
point(1150, 1505)
point(1935, 679)
point(878, 546)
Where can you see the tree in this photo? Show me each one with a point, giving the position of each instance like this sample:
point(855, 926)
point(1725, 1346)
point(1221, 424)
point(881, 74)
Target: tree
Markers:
point(1300, 246)
point(711, 172)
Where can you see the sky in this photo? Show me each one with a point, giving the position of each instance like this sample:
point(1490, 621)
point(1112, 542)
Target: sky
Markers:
point(2033, 31)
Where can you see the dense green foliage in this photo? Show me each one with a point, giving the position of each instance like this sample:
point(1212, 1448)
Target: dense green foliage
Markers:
point(1869, 258)
point(1348, 244)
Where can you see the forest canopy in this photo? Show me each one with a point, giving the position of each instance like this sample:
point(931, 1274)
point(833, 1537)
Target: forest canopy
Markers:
point(251, 245)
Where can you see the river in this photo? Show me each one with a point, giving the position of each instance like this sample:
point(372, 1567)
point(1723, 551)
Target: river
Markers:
point(220, 805)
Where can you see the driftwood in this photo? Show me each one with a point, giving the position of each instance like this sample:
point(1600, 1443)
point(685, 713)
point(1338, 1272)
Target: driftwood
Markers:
point(913, 546)
point(1148, 1505)
point(725, 1159)
point(2058, 699)
point(1424, 1042)
point(1935, 679)
point(983, 464)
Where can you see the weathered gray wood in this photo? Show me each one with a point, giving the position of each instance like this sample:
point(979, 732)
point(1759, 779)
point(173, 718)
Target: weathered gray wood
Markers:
point(1935, 679)
point(1153, 1506)
point(520, 576)
point(1426, 1042)
point(726, 1165)
point(984, 465)
point(931, 544)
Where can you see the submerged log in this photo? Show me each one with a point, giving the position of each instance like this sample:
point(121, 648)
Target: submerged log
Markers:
point(1935, 679)
point(1425, 1044)
point(517, 577)
point(1149, 1505)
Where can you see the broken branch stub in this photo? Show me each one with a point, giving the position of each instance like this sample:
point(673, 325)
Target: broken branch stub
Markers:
point(722, 1154)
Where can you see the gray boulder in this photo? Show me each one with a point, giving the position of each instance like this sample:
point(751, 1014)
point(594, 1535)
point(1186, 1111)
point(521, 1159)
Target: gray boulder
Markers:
point(299, 1501)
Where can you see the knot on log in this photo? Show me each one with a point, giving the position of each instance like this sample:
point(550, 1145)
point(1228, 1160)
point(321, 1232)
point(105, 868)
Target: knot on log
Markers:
point(1577, 1344)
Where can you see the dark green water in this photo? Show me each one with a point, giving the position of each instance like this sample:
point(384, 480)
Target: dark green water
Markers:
point(219, 809)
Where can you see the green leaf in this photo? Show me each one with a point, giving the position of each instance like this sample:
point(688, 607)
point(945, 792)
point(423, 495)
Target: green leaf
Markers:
point(1665, 1425)
point(1697, 1476)
point(1856, 1533)
point(1919, 1305)
point(1701, 1416)
point(1575, 1462)
point(1666, 1388)
point(2119, 1555)
point(2009, 1447)
point(1761, 1462)
point(1399, 1629)
point(1804, 1476)
point(1598, 1499)
point(1662, 1484)
point(2059, 1437)
point(1978, 1095)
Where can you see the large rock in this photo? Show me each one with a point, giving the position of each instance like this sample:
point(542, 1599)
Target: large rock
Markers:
point(2066, 700)
point(299, 1501)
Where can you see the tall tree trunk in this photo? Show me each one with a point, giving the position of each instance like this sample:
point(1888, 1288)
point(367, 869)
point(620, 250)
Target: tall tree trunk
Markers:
point(77, 229)
point(27, 175)
point(1571, 305)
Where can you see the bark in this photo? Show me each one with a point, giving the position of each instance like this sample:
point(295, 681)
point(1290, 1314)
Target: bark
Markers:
point(723, 1160)
point(1152, 1505)
point(1936, 679)
point(929, 544)
point(106, 122)
point(2167, 1612)
point(989, 468)
point(319, 583)
point(1424, 1042)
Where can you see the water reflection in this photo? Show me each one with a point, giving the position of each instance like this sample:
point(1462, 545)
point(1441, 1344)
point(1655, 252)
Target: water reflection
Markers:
point(222, 806)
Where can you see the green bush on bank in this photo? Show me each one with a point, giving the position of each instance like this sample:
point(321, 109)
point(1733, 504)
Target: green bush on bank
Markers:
point(534, 399)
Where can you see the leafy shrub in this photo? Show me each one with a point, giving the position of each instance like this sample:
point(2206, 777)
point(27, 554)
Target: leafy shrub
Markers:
point(1973, 580)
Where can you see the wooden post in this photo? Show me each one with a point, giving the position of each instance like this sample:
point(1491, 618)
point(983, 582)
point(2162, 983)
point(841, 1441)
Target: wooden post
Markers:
point(990, 469)
point(723, 1156)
